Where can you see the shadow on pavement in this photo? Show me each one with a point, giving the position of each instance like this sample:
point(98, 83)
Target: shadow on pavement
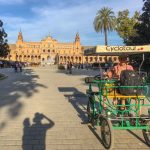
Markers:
point(14, 87)
point(135, 135)
point(34, 135)
point(79, 101)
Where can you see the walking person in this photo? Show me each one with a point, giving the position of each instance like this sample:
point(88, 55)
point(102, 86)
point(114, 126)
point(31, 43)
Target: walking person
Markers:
point(70, 68)
point(20, 66)
point(67, 67)
point(16, 67)
point(106, 67)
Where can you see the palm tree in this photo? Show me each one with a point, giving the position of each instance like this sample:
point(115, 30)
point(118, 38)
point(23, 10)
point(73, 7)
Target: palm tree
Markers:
point(104, 21)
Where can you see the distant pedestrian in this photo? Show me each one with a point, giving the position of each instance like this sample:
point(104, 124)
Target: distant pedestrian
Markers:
point(20, 66)
point(16, 67)
point(86, 65)
point(106, 67)
point(1, 64)
point(70, 68)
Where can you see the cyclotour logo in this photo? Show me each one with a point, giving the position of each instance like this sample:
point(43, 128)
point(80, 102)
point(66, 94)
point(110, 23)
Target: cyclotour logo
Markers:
point(123, 48)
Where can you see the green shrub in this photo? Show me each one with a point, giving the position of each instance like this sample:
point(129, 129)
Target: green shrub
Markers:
point(61, 67)
point(147, 79)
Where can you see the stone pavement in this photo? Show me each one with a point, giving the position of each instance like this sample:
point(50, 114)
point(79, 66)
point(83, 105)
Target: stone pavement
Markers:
point(58, 101)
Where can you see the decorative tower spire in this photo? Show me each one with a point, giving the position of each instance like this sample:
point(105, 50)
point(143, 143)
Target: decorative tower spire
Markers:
point(77, 38)
point(20, 37)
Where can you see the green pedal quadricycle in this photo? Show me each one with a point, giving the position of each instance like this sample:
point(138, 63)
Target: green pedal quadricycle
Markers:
point(111, 110)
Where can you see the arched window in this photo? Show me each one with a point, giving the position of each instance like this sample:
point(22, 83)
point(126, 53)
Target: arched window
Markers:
point(43, 50)
point(105, 58)
point(100, 58)
point(32, 57)
point(95, 59)
point(115, 58)
point(86, 58)
point(110, 59)
point(91, 59)
point(49, 50)
point(61, 57)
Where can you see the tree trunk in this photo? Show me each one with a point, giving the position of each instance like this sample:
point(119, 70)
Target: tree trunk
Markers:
point(105, 32)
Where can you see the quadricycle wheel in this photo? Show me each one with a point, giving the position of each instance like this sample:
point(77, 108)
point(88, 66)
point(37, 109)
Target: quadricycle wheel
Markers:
point(107, 134)
point(146, 135)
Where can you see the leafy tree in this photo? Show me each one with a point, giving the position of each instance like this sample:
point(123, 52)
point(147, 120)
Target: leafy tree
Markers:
point(4, 47)
point(125, 26)
point(104, 21)
point(143, 28)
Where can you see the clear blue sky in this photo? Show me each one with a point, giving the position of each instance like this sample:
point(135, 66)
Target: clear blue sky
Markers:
point(61, 18)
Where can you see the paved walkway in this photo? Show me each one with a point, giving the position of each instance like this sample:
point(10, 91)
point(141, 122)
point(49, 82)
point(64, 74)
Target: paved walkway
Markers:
point(58, 101)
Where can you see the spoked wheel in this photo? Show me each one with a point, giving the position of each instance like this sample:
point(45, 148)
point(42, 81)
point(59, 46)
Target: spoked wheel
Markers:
point(107, 133)
point(146, 134)
point(89, 112)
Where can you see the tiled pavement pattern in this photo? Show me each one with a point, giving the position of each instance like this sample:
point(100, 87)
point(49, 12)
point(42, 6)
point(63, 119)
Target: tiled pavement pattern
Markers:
point(43, 109)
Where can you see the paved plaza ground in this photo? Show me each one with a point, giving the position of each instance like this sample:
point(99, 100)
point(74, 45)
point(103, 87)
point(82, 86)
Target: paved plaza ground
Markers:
point(59, 101)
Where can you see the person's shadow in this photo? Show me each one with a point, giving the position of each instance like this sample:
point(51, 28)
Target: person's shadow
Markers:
point(34, 136)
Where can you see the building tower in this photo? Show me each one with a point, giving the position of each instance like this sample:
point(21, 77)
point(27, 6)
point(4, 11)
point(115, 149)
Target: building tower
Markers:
point(20, 37)
point(77, 38)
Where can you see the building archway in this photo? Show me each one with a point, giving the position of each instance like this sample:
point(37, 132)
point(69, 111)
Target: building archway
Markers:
point(80, 59)
point(91, 59)
point(100, 59)
point(48, 57)
point(76, 59)
point(68, 58)
point(115, 59)
point(65, 59)
point(32, 58)
point(25, 57)
point(86, 59)
point(61, 58)
point(95, 59)
point(72, 58)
